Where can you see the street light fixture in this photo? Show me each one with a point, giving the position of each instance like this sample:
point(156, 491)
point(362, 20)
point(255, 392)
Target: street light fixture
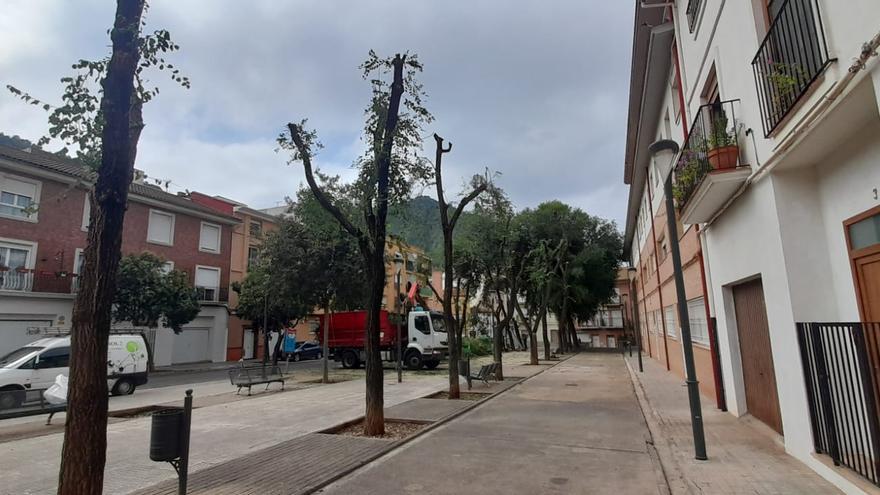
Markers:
point(664, 152)
point(398, 267)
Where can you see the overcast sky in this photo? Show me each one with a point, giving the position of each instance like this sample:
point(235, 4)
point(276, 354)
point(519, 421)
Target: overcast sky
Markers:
point(536, 90)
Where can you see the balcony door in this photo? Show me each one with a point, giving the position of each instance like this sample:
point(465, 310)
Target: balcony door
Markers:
point(863, 241)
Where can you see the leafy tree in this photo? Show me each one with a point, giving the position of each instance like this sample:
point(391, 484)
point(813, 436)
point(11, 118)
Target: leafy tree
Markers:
point(147, 295)
point(104, 123)
point(386, 174)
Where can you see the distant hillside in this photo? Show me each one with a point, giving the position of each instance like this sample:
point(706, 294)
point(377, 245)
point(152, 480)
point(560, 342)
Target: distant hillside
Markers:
point(16, 142)
point(418, 223)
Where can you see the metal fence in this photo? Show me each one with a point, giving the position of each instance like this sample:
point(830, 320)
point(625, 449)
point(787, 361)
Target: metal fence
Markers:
point(841, 363)
point(790, 58)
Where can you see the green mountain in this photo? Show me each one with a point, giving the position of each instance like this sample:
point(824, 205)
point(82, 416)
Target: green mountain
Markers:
point(418, 222)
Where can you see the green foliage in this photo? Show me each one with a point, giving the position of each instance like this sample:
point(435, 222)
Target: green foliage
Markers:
point(687, 175)
point(146, 294)
point(308, 262)
point(475, 347)
point(721, 136)
point(785, 80)
point(77, 120)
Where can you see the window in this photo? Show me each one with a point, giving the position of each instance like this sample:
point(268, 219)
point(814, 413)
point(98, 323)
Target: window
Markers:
point(161, 228)
point(697, 318)
point(658, 321)
point(87, 211)
point(253, 257)
point(411, 263)
point(15, 260)
point(865, 233)
point(422, 325)
point(18, 197)
point(207, 282)
point(167, 267)
point(209, 238)
point(58, 357)
point(669, 314)
point(256, 228)
point(674, 87)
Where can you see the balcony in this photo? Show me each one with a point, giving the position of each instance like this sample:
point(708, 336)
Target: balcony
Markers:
point(212, 294)
point(791, 57)
point(36, 281)
point(709, 172)
point(693, 13)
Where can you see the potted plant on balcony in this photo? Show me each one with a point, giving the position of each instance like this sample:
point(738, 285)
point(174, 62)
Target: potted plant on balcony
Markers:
point(723, 151)
point(687, 175)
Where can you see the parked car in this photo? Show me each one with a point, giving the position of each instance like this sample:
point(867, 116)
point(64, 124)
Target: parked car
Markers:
point(35, 366)
point(307, 350)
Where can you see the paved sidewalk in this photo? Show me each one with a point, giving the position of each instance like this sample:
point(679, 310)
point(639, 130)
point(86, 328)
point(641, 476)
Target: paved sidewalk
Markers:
point(220, 433)
point(744, 458)
point(576, 428)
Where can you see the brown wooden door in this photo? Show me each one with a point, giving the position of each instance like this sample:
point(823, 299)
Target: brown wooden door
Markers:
point(868, 277)
point(762, 397)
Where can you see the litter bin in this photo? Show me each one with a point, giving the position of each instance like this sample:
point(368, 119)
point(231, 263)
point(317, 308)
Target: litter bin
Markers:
point(165, 434)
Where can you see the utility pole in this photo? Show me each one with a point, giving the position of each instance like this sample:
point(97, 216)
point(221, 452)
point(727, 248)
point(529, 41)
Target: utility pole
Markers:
point(664, 151)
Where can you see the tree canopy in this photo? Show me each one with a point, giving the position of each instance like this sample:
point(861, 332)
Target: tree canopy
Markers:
point(147, 294)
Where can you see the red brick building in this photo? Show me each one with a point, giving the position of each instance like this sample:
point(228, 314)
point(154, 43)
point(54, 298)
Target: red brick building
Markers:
point(44, 216)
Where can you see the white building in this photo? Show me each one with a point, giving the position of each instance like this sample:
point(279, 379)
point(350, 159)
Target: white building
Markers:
point(790, 232)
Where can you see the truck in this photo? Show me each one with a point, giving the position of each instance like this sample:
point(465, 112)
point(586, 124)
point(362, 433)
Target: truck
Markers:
point(424, 342)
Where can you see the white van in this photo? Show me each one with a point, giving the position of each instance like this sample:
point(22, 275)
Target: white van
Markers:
point(36, 365)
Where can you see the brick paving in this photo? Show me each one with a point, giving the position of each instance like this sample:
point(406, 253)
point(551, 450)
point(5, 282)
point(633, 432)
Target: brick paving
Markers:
point(743, 457)
point(290, 468)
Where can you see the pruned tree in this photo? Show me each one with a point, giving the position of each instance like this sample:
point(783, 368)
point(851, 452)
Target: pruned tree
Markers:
point(448, 219)
point(395, 117)
point(104, 125)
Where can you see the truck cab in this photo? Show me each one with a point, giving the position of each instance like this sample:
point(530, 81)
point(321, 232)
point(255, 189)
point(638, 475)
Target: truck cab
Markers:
point(428, 340)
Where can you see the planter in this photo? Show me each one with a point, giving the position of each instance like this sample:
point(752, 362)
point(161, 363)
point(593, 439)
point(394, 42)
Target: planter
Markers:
point(723, 158)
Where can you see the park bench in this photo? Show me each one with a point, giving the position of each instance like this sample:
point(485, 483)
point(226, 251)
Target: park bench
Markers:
point(486, 371)
point(248, 376)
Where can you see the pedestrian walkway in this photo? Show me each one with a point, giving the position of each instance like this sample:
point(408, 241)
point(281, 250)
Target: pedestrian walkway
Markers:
point(576, 428)
point(220, 433)
point(743, 458)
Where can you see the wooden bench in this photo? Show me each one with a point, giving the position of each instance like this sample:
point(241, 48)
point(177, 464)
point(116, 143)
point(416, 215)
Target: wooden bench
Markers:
point(248, 376)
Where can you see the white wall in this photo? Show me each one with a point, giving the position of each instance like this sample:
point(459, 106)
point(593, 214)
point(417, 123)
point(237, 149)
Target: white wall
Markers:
point(213, 317)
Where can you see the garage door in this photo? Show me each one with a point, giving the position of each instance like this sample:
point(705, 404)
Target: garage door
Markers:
point(192, 345)
point(14, 333)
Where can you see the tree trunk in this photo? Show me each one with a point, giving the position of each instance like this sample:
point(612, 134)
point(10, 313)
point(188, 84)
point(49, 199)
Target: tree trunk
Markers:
point(498, 345)
point(374, 416)
point(573, 329)
point(533, 347)
point(279, 344)
point(84, 453)
point(546, 337)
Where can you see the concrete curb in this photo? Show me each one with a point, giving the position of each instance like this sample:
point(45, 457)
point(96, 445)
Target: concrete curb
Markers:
point(658, 446)
point(393, 447)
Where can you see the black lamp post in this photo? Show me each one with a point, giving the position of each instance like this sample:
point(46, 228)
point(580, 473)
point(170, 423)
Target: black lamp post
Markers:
point(664, 152)
point(634, 301)
point(398, 267)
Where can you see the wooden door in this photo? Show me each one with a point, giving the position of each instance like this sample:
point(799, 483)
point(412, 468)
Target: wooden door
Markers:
point(868, 277)
point(863, 242)
point(759, 375)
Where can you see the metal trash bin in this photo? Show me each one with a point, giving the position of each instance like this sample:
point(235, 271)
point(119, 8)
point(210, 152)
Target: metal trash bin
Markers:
point(165, 434)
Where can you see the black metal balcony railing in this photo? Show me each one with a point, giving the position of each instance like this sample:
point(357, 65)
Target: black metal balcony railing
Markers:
point(841, 363)
point(693, 12)
point(713, 144)
point(791, 57)
point(212, 294)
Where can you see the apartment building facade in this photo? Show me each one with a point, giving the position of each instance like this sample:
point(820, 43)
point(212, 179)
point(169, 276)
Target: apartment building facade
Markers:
point(775, 107)
point(44, 217)
point(612, 324)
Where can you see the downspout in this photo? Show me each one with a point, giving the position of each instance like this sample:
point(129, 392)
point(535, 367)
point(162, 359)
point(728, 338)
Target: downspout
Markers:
point(720, 400)
point(657, 272)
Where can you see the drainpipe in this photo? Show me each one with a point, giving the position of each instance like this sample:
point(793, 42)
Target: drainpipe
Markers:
point(644, 294)
point(720, 399)
point(657, 272)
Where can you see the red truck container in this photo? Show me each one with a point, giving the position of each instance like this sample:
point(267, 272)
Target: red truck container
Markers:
point(425, 346)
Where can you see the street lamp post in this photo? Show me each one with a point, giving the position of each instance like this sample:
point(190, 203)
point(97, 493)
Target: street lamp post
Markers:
point(398, 265)
point(664, 152)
